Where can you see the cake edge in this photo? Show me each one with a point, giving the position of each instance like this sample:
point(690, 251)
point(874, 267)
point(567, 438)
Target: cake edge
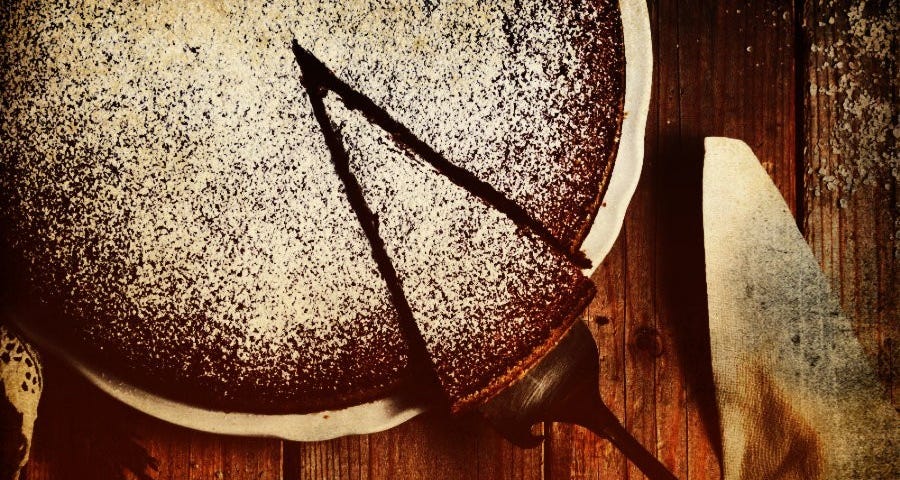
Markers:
point(581, 297)
point(589, 210)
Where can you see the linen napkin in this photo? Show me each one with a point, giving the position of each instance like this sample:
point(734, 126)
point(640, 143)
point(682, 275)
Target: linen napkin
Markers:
point(797, 396)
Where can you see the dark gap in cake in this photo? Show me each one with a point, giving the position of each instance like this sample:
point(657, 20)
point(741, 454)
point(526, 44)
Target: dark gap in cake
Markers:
point(323, 79)
point(421, 366)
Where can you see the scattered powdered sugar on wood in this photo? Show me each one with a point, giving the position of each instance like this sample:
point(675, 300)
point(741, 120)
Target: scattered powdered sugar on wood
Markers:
point(865, 118)
point(852, 129)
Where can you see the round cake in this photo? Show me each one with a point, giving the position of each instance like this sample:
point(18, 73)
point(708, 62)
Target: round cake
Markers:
point(283, 206)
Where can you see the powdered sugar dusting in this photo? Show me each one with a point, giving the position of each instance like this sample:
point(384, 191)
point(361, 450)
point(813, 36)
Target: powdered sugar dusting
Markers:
point(169, 181)
point(508, 89)
point(484, 294)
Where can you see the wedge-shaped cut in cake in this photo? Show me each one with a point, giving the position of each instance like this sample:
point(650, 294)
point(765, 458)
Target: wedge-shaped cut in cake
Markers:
point(488, 297)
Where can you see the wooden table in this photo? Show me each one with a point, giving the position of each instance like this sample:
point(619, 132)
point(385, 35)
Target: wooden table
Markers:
point(777, 75)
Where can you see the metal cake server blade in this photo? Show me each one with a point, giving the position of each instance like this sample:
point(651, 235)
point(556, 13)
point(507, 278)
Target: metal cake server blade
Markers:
point(564, 387)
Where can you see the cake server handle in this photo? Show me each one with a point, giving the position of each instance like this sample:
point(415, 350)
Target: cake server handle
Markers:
point(585, 408)
point(564, 387)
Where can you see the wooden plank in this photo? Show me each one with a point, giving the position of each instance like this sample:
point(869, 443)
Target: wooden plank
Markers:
point(753, 84)
point(216, 456)
point(850, 138)
point(431, 446)
point(574, 452)
point(668, 226)
point(83, 433)
point(720, 69)
point(78, 432)
point(640, 319)
point(343, 458)
point(740, 83)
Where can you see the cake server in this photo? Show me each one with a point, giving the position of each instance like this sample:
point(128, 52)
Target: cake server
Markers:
point(564, 387)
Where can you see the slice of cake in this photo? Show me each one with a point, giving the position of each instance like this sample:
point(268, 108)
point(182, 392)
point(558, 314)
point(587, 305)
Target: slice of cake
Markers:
point(488, 297)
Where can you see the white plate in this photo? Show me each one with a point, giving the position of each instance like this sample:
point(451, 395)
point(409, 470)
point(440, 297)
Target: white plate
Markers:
point(630, 158)
point(391, 411)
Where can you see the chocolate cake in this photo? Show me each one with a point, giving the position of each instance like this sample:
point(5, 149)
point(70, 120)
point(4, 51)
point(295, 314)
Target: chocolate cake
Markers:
point(185, 208)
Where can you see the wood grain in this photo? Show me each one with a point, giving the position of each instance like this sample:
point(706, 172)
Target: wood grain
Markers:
point(431, 446)
point(850, 90)
point(663, 157)
point(82, 433)
point(720, 69)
